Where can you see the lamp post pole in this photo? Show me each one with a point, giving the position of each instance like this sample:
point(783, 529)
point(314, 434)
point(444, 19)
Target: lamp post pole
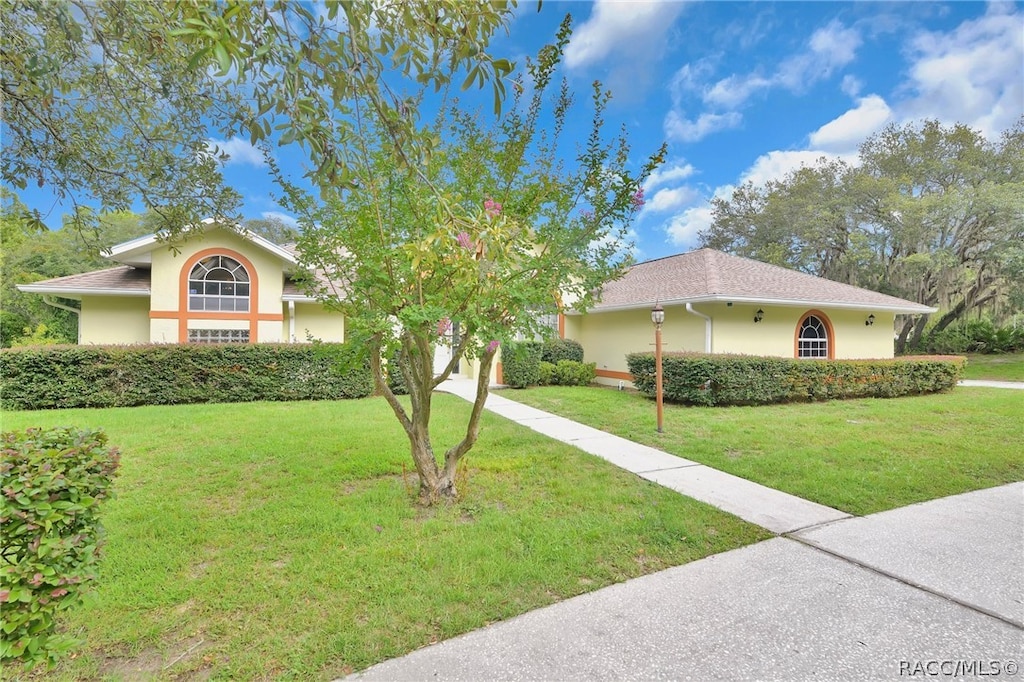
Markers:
point(658, 317)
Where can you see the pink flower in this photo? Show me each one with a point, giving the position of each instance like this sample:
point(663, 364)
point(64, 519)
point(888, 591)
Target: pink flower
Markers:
point(493, 208)
point(36, 580)
point(464, 241)
point(5, 595)
point(587, 215)
point(493, 346)
point(443, 325)
point(638, 198)
point(59, 592)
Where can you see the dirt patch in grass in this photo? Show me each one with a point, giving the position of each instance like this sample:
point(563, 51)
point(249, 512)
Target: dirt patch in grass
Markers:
point(154, 662)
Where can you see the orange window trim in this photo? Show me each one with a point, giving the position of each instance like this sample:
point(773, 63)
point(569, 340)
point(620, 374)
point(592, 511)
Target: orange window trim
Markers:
point(612, 374)
point(499, 374)
point(828, 330)
point(561, 326)
point(183, 315)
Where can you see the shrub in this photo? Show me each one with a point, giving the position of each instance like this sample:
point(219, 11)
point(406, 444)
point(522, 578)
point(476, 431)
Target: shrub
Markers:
point(556, 349)
point(566, 373)
point(975, 336)
point(520, 362)
point(53, 482)
point(696, 379)
point(396, 380)
point(572, 373)
point(545, 374)
point(125, 376)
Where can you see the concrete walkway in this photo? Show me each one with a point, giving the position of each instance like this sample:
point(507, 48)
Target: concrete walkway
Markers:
point(1019, 385)
point(777, 511)
point(915, 593)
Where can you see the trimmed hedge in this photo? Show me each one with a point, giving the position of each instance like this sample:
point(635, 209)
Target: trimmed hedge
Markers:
point(54, 482)
point(125, 376)
point(697, 379)
point(566, 373)
point(520, 363)
point(555, 350)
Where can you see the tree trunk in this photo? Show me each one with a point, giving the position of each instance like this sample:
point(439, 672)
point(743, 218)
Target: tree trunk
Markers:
point(437, 482)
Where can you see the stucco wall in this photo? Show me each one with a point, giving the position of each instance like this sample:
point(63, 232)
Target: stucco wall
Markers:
point(608, 337)
point(167, 268)
point(319, 323)
point(115, 319)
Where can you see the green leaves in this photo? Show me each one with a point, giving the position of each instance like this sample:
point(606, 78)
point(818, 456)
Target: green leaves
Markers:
point(52, 483)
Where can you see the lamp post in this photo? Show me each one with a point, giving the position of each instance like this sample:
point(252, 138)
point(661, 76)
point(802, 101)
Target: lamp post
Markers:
point(658, 318)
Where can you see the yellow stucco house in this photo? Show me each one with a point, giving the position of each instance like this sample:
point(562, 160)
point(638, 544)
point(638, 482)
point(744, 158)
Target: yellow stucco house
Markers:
point(718, 303)
point(225, 285)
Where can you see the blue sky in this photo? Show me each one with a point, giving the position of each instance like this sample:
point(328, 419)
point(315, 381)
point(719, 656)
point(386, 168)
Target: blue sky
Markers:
point(749, 91)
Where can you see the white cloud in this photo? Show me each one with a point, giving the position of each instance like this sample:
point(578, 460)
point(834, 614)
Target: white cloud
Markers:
point(972, 75)
point(680, 129)
point(830, 48)
point(775, 165)
point(851, 85)
point(238, 151)
point(616, 26)
point(670, 199)
point(664, 176)
point(847, 132)
point(683, 229)
point(283, 217)
point(733, 91)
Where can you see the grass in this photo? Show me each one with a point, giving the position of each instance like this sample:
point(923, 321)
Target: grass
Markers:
point(1009, 367)
point(280, 540)
point(860, 456)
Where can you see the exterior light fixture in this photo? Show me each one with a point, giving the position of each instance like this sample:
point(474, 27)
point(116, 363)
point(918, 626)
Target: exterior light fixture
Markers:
point(870, 321)
point(658, 318)
point(758, 316)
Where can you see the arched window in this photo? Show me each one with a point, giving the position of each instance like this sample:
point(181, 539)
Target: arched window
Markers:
point(218, 283)
point(812, 338)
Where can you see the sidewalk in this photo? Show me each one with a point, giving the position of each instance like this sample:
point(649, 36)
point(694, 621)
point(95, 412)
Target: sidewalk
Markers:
point(1019, 385)
point(777, 511)
point(884, 597)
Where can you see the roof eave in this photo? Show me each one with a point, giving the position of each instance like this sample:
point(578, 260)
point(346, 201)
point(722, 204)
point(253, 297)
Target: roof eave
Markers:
point(77, 292)
point(909, 309)
point(136, 251)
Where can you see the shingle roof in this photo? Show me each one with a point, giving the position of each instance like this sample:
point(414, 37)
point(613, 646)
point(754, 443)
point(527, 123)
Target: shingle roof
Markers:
point(123, 278)
point(710, 275)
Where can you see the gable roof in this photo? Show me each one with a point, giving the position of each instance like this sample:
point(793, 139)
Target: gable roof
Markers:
point(124, 280)
point(139, 251)
point(707, 275)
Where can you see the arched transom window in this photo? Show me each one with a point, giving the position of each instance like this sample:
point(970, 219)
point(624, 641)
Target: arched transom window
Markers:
point(812, 340)
point(218, 283)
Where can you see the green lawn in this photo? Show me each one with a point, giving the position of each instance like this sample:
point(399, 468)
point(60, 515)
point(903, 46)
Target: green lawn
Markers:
point(861, 456)
point(279, 540)
point(1008, 367)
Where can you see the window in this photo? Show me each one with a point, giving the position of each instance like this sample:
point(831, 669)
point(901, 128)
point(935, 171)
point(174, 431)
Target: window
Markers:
point(218, 336)
point(218, 283)
point(812, 341)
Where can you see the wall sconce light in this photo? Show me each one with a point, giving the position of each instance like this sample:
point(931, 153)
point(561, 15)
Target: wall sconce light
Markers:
point(758, 316)
point(870, 321)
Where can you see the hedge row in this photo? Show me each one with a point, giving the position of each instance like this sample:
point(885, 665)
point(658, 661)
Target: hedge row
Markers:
point(54, 482)
point(697, 379)
point(566, 373)
point(521, 360)
point(122, 376)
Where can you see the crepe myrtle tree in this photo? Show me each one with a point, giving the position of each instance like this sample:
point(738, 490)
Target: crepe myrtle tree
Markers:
point(494, 227)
